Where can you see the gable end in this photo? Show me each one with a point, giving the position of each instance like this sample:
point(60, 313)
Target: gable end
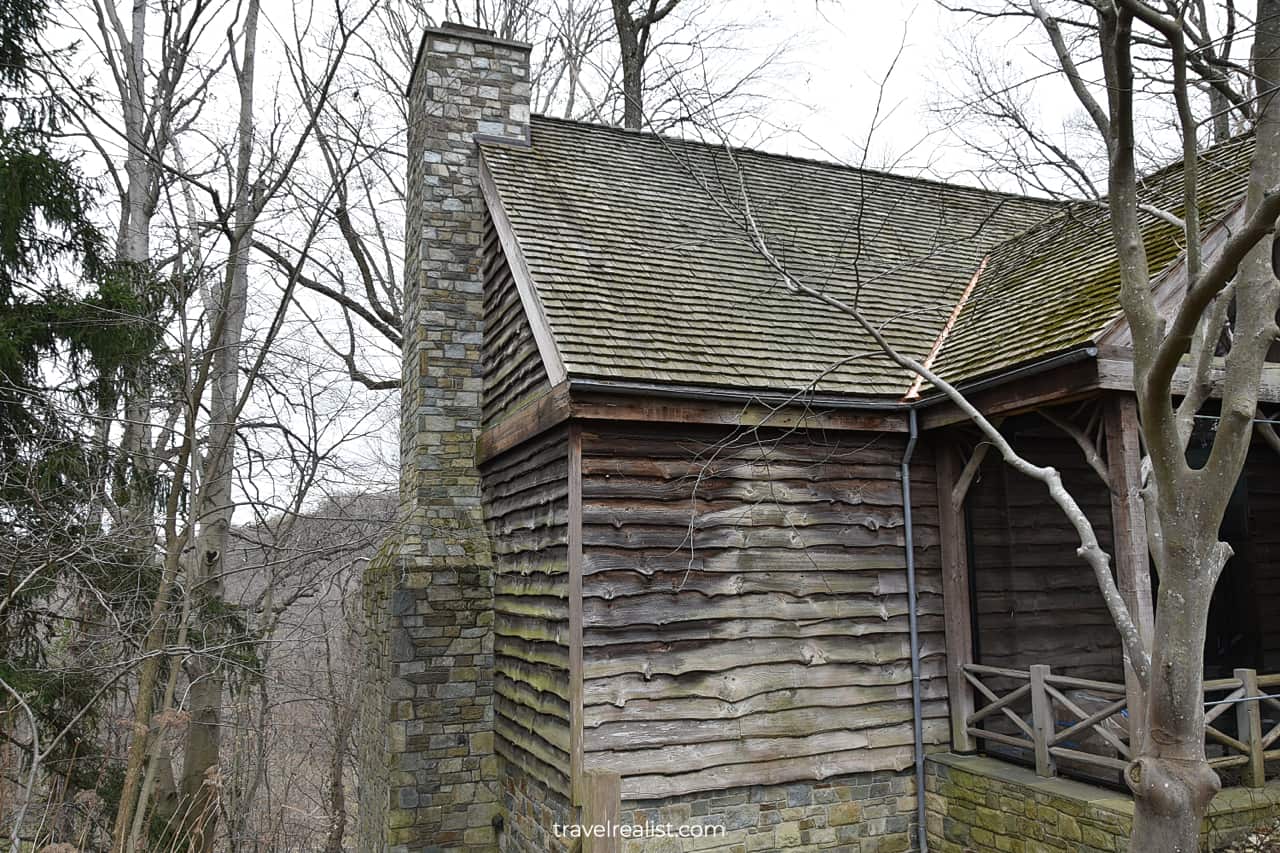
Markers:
point(513, 369)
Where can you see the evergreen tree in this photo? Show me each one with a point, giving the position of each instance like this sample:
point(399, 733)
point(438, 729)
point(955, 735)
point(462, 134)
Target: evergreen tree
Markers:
point(74, 327)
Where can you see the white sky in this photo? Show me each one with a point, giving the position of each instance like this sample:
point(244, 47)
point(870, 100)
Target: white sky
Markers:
point(843, 50)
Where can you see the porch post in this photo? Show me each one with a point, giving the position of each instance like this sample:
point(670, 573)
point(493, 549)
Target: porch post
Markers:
point(1042, 724)
point(1129, 537)
point(955, 597)
point(1249, 729)
point(602, 807)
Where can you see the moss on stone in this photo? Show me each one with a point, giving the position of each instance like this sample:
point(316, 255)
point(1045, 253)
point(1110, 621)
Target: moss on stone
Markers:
point(1024, 813)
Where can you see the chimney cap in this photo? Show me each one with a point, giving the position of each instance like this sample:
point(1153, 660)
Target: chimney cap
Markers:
point(463, 32)
point(466, 28)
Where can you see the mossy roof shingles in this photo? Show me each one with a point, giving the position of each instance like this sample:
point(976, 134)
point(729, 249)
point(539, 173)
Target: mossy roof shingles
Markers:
point(643, 276)
point(1057, 286)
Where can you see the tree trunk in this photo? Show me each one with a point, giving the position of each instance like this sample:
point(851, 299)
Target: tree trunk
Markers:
point(1221, 111)
point(632, 91)
point(344, 719)
point(1171, 780)
point(632, 57)
point(200, 784)
point(133, 248)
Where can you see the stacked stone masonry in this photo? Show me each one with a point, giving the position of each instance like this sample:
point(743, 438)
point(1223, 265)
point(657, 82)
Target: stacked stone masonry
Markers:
point(862, 813)
point(977, 804)
point(530, 813)
point(374, 707)
point(441, 771)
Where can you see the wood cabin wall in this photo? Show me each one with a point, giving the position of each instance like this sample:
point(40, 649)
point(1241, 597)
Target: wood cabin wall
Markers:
point(1262, 474)
point(526, 501)
point(1036, 601)
point(745, 609)
point(513, 371)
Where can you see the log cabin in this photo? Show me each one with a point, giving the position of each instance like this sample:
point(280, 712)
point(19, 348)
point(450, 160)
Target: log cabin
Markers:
point(679, 549)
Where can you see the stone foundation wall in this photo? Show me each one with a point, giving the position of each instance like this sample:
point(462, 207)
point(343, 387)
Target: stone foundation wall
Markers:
point(977, 803)
point(865, 813)
point(530, 813)
point(374, 716)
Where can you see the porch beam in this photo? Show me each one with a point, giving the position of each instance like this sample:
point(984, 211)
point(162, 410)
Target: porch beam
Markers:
point(970, 470)
point(1115, 373)
point(957, 607)
point(1129, 538)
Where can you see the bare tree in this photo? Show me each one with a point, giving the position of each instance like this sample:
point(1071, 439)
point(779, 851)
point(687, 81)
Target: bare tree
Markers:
point(1171, 781)
point(190, 198)
point(1175, 61)
point(355, 167)
point(1170, 778)
point(995, 105)
point(633, 43)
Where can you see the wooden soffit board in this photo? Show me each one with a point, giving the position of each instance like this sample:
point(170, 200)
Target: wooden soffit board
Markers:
point(562, 403)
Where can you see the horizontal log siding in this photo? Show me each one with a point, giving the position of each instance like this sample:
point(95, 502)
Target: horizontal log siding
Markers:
point(526, 498)
point(1262, 478)
point(513, 371)
point(745, 610)
point(1037, 602)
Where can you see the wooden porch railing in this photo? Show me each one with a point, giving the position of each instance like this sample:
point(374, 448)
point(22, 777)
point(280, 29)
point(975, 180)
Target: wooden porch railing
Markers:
point(1056, 720)
point(1248, 693)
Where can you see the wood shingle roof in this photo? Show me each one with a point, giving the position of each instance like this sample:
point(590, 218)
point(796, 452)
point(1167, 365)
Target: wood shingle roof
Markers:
point(636, 247)
point(1056, 287)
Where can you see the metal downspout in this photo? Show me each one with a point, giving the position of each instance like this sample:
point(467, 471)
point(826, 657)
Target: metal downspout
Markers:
point(917, 715)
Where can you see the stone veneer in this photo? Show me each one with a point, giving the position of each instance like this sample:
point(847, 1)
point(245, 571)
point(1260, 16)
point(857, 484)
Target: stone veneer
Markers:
point(371, 727)
point(977, 803)
point(436, 609)
point(530, 813)
point(862, 813)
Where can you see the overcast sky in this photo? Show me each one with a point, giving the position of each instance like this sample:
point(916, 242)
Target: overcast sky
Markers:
point(827, 89)
point(841, 52)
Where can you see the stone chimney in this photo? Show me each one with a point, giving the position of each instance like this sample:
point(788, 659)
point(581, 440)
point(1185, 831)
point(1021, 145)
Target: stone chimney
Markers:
point(441, 769)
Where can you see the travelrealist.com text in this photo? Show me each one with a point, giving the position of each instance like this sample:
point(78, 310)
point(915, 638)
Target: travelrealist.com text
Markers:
point(637, 830)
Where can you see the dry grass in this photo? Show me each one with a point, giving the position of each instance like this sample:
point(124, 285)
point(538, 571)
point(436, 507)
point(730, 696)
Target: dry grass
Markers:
point(1260, 840)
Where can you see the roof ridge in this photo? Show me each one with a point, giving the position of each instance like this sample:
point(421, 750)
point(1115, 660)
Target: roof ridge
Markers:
point(1147, 183)
point(1225, 144)
point(793, 158)
point(1065, 260)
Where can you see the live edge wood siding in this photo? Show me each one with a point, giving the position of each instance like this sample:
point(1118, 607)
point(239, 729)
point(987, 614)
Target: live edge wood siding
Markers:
point(745, 609)
point(526, 501)
point(513, 371)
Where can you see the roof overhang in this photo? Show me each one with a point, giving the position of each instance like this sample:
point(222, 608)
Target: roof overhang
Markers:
point(552, 361)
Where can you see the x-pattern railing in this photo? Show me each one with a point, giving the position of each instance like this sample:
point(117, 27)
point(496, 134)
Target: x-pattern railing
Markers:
point(1247, 693)
point(1057, 722)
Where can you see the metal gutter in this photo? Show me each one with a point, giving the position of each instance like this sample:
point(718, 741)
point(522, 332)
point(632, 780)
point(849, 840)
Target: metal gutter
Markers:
point(1060, 360)
point(917, 714)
